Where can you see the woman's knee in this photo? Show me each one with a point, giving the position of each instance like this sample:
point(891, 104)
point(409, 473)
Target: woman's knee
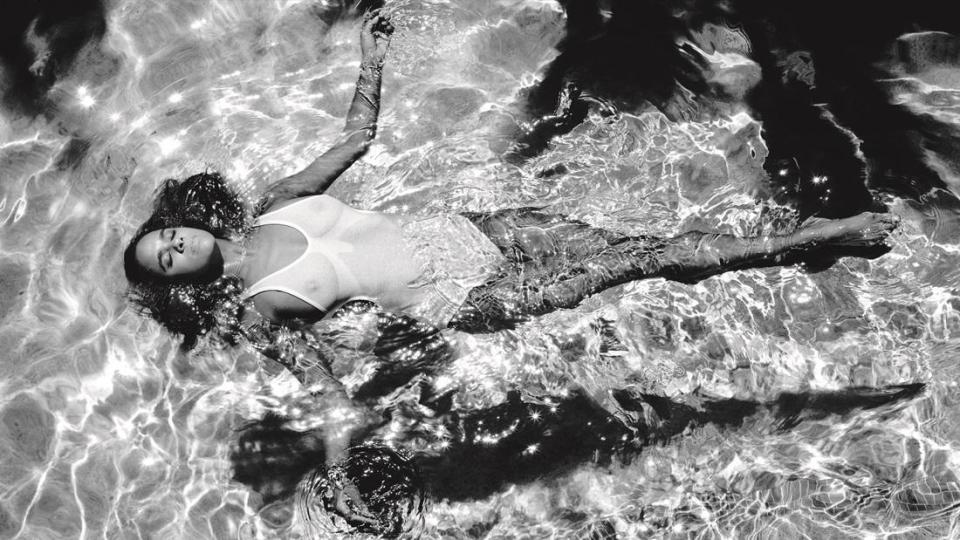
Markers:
point(535, 243)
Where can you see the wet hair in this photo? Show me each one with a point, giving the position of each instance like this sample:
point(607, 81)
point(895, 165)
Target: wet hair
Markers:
point(191, 307)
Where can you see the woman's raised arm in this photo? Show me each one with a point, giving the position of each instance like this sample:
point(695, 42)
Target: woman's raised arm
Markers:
point(361, 121)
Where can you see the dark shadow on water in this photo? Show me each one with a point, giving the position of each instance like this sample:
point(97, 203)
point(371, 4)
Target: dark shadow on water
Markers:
point(39, 42)
point(405, 348)
point(821, 121)
point(517, 442)
point(622, 61)
point(835, 139)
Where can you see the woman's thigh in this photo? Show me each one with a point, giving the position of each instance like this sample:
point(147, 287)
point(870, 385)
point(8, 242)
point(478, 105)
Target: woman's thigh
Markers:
point(532, 287)
point(538, 240)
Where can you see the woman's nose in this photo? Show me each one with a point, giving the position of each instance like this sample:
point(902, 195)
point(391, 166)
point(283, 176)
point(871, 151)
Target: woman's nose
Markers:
point(178, 244)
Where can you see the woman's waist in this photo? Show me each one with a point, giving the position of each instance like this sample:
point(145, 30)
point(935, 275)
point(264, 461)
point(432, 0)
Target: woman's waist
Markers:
point(449, 247)
point(431, 268)
point(402, 299)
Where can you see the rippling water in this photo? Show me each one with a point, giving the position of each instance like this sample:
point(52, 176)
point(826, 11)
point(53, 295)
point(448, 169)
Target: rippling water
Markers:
point(108, 431)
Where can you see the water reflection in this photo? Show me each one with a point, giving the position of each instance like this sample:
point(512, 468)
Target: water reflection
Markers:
point(467, 455)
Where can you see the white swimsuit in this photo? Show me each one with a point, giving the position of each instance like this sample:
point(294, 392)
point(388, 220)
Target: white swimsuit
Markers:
point(453, 255)
point(295, 277)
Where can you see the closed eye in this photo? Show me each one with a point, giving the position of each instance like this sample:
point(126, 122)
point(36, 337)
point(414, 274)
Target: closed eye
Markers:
point(164, 259)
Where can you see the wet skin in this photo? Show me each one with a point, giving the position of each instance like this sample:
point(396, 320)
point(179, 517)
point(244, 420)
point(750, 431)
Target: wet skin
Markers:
point(178, 252)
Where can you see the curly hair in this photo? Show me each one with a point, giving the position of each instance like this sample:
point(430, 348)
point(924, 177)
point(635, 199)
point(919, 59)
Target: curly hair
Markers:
point(191, 308)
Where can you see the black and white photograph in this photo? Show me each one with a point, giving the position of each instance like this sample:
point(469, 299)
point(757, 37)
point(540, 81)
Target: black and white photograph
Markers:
point(479, 269)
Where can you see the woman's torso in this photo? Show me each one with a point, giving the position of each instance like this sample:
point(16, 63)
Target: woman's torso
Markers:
point(313, 253)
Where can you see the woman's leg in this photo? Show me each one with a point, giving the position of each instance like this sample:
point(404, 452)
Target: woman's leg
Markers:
point(694, 256)
point(530, 236)
point(545, 252)
point(549, 282)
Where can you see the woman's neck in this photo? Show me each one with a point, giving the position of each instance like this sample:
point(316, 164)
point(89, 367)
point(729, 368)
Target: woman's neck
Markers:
point(233, 254)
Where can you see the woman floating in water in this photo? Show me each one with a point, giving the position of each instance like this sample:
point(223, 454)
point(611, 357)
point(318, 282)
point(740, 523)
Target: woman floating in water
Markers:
point(198, 264)
point(308, 253)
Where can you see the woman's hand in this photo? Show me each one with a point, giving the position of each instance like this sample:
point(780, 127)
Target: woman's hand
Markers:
point(346, 501)
point(375, 37)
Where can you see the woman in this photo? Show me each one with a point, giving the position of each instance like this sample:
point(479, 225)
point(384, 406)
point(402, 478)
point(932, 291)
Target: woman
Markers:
point(198, 264)
point(308, 253)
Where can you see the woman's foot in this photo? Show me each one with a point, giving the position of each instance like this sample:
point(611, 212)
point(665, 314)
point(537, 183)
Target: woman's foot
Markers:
point(868, 229)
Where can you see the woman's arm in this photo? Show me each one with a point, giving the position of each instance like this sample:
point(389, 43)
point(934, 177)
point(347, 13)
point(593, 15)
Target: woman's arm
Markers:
point(361, 121)
point(404, 347)
point(341, 417)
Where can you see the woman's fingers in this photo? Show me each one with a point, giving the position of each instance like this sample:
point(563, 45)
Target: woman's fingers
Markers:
point(371, 19)
point(357, 514)
point(377, 24)
point(383, 25)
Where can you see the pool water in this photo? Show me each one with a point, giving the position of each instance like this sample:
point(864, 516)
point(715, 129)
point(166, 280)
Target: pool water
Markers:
point(110, 431)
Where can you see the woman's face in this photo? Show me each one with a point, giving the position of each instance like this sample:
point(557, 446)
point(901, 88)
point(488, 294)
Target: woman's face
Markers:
point(179, 252)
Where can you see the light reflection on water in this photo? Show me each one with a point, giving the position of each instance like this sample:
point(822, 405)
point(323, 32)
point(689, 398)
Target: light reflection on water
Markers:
point(109, 431)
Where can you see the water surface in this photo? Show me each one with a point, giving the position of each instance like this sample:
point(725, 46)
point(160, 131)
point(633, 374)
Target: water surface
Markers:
point(109, 431)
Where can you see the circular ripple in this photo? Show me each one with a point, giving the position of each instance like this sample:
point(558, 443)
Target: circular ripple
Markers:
point(389, 484)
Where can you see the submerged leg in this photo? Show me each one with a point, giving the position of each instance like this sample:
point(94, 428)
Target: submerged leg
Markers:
point(539, 247)
point(541, 239)
point(695, 256)
point(554, 282)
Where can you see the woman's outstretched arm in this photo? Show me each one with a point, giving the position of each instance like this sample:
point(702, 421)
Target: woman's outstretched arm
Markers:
point(361, 124)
